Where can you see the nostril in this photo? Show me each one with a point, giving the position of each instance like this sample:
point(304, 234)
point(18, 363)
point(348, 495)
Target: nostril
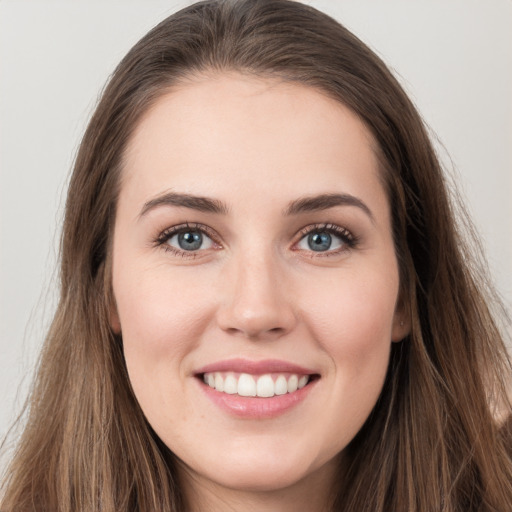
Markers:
point(255, 332)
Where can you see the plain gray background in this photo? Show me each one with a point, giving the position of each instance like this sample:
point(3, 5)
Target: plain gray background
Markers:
point(454, 57)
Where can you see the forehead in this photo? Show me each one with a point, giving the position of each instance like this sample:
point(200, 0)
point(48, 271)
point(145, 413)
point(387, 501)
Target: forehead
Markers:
point(211, 132)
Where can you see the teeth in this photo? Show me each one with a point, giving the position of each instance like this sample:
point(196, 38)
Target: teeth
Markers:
point(302, 381)
point(292, 383)
point(246, 385)
point(230, 385)
point(281, 385)
point(219, 382)
point(263, 386)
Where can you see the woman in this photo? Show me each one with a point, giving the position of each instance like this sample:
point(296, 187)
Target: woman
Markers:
point(266, 304)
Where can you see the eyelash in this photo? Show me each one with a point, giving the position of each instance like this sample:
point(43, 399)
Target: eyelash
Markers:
point(347, 238)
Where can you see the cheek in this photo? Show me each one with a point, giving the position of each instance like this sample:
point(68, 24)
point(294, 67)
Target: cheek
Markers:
point(355, 311)
point(352, 322)
point(150, 311)
point(162, 319)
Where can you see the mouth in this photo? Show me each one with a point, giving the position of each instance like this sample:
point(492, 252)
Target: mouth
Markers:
point(266, 385)
point(256, 389)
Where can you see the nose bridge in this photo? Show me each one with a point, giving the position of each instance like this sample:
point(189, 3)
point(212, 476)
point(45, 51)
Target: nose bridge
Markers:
point(258, 304)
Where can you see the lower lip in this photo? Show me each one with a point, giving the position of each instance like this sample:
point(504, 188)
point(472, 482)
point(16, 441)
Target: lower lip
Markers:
point(255, 407)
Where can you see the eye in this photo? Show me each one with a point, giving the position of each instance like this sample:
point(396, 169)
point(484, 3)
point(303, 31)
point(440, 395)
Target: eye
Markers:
point(186, 240)
point(326, 238)
point(191, 240)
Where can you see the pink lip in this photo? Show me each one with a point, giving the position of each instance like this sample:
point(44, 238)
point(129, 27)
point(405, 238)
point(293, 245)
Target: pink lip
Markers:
point(254, 367)
point(255, 407)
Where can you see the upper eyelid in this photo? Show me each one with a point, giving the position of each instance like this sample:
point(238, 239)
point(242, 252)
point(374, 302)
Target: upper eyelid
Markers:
point(328, 226)
point(179, 228)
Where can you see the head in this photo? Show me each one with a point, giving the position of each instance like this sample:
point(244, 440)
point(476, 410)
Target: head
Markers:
point(288, 47)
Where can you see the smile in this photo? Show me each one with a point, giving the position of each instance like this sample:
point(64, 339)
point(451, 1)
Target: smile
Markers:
point(262, 386)
point(256, 390)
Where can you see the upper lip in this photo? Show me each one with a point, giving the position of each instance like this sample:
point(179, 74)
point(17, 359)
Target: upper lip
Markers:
point(239, 365)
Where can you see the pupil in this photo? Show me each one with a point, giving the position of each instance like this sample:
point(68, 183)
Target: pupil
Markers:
point(319, 241)
point(190, 241)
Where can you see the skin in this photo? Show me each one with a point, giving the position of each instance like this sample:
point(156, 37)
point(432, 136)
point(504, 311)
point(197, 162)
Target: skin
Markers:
point(257, 291)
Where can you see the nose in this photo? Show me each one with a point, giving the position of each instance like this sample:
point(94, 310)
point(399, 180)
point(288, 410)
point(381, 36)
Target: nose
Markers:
point(256, 303)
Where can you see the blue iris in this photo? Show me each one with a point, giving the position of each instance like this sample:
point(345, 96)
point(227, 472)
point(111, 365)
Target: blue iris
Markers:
point(190, 240)
point(319, 241)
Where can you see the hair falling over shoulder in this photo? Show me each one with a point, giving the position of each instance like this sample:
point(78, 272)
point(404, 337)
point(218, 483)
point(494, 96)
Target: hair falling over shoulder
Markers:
point(440, 436)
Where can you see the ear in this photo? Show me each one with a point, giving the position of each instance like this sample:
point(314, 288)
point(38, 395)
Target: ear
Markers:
point(108, 290)
point(115, 323)
point(401, 322)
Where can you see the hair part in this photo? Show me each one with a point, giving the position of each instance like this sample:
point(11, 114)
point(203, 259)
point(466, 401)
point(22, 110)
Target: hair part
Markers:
point(432, 441)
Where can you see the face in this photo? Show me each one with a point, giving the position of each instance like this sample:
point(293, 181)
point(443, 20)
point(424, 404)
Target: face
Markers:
point(255, 279)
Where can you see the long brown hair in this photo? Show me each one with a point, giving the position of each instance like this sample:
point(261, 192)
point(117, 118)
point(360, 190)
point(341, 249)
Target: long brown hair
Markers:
point(435, 441)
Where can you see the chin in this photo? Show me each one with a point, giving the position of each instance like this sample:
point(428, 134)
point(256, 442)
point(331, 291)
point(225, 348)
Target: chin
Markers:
point(262, 469)
point(272, 476)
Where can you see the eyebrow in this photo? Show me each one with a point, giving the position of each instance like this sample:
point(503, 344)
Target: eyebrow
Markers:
point(202, 204)
point(301, 205)
point(326, 201)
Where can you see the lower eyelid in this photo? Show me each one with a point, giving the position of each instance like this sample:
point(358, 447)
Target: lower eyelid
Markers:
point(180, 253)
